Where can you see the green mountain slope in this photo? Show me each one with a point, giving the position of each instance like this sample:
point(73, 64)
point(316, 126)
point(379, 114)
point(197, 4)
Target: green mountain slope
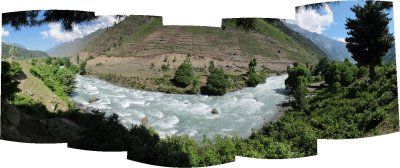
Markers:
point(146, 36)
point(21, 52)
point(72, 48)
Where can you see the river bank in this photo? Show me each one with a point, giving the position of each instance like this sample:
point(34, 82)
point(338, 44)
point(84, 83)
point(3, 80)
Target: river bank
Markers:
point(164, 83)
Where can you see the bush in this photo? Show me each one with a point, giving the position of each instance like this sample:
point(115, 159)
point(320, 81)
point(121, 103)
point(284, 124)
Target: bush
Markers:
point(293, 73)
point(217, 83)
point(9, 86)
point(254, 78)
point(184, 74)
point(102, 133)
point(82, 70)
point(345, 73)
point(165, 67)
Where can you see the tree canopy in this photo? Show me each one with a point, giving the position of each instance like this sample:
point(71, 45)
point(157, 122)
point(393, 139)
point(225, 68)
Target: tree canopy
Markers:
point(67, 18)
point(247, 24)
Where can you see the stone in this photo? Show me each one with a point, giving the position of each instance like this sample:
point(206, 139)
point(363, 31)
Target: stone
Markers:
point(30, 93)
point(144, 121)
point(214, 111)
point(93, 99)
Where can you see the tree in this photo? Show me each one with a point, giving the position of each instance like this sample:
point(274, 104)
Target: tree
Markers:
point(12, 51)
point(254, 78)
point(184, 74)
point(369, 38)
point(297, 71)
point(300, 91)
point(252, 65)
point(298, 78)
point(246, 23)
point(9, 86)
point(211, 66)
point(82, 70)
point(67, 79)
point(67, 18)
point(217, 83)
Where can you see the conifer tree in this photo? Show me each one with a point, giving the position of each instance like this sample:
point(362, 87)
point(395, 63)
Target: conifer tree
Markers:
point(369, 38)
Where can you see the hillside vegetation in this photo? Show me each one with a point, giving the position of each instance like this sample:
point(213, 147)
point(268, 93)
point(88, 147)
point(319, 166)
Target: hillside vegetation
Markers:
point(21, 52)
point(145, 36)
point(141, 53)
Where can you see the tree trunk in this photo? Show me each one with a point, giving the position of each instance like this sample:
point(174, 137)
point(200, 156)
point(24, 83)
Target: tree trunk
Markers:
point(372, 73)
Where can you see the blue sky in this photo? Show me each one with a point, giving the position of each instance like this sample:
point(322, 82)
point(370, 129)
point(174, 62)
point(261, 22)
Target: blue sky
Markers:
point(340, 12)
point(50, 35)
point(328, 21)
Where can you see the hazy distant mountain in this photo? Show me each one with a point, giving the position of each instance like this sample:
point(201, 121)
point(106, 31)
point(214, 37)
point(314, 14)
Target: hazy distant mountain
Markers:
point(15, 44)
point(72, 48)
point(21, 51)
point(390, 55)
point(336, 50)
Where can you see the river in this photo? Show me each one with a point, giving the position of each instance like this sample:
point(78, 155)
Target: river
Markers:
point(239, 111)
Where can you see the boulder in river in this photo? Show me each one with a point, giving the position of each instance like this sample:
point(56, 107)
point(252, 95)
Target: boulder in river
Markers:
point(214, 111)
point(93, 99)
point(144, 121)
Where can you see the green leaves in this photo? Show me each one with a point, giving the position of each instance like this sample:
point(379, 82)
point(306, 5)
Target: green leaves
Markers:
point(184, 74)
point(298, 78)
point(254, 78)
point(217, 83)
point(9, 85)
point(247, 24)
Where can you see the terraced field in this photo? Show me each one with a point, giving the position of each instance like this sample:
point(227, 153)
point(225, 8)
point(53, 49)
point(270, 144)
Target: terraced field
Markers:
point(140, 45)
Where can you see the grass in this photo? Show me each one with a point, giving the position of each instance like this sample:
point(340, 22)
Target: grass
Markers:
point(145, 30)
point(41, 92)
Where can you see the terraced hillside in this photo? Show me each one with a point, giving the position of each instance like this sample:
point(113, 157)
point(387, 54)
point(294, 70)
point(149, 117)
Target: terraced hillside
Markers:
point(140, 45)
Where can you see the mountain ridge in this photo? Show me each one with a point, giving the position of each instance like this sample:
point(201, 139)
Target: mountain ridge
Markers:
point(21, 52)
point(336, 50)
point(72, 48)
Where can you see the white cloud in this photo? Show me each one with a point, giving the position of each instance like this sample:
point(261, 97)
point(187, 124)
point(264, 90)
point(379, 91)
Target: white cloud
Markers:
point(313, 21)
point(341, 39)
point(4, 32)
point(78, 31)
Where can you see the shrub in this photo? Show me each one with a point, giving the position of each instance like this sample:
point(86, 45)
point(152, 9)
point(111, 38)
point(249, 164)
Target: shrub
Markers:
point(184, 74)
point(165, 67)
point(217, 83)
point(254, 78)
point(9, 86)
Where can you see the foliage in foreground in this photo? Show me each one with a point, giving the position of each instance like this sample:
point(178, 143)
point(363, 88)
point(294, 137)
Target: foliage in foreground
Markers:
point(9, 85)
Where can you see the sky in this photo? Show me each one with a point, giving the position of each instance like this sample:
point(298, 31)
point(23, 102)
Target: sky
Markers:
point(329, 21)
point(49, 35)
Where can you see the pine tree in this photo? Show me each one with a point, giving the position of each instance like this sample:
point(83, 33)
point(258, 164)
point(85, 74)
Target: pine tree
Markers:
point(369, 38)
point(247, 24)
